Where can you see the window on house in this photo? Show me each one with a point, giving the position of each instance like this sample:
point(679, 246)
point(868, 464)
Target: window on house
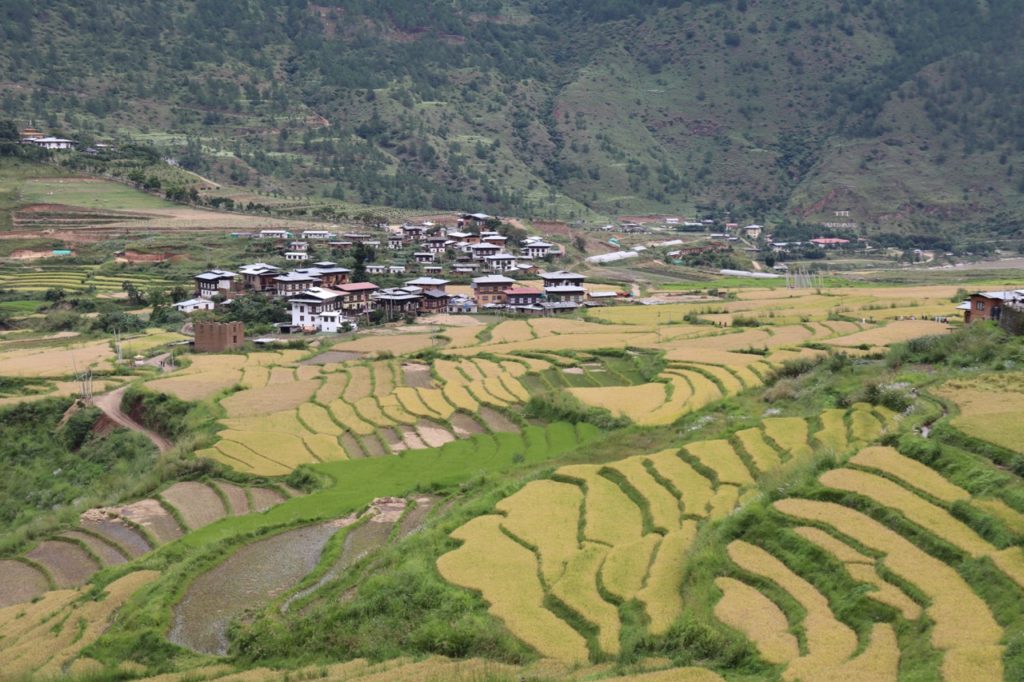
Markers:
point(980, 305)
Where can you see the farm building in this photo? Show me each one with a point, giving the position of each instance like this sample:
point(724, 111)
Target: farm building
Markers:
point(358, 297)
point(213, 282)
point(217, 337)
point(989, 305)
point(524, 299)
point(327, 272)
point(491, 289)
point(395, 242)
point(259, 276)
point(562, 278)
point(193, 304)
point(753, 231)
point(461, 305)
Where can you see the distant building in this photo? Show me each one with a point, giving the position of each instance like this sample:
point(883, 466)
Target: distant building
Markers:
point(259, 276)
point(51, 143)
point(753, 231)
point(319, 310)
point(213, 282)
point(989, 305)
point(296, 256)
point(193, 304)
point(292, 283)
point(317, 234)
point(461, 305)
point(501, 262)
point(358, 297)
point(490, 290)
point(217, 337)
point(275, 234)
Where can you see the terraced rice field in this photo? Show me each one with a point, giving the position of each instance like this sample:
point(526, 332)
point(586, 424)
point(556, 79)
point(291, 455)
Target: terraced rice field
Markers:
point(988, 399)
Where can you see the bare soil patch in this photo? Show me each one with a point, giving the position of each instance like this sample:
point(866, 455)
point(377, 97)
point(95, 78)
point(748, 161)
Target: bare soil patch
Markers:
point(434, 435)
point(572, 370)
point(373, 447)
point(391, 439)
point(68, 564)
point(496, 421)
point(264, 498)
point(417, 375)
point(351, 446)
point(21, 583)
point(116, 531)
point(333, 356)
point(152, 517)
point(446, 320)
point(107, 553)
point(411, 439)
point(414, 518)
point(464, 425)
point(237, 498)
point(197, 503)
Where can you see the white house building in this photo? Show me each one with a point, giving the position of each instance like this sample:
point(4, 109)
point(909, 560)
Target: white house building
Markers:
point(501, 262)
point(320, 310)
point(53, 143)
point(213, 282)
point(193, 304)
point(296, 256)
point(318, 234)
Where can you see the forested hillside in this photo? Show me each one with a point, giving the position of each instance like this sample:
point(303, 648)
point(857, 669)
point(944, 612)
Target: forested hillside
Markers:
point(907, 113)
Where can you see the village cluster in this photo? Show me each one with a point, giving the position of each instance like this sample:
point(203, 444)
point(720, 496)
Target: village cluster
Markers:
point(322, 296)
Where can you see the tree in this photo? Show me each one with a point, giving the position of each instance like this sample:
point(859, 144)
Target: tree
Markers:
point(8, 131)
point(135, 297)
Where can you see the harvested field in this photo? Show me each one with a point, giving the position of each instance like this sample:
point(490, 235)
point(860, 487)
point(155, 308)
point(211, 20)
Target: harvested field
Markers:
point(433, 435)
point(578, 590)
point(236, 496)
point(115, 531)
point(761, 620)
point(250, 576)
point(331, 357)
point(464, 425)
point(662, 508)
point(21, 583)
point(417, 375)
point(660, 595)
point(910, 472)
point(719, 456)
point(496, 421)
point(505, 573)
point(610, 516)
point(546, 515)
point(763, 455)
point(264, 498)
point(696, 491)
point(152, 518)
point(270, 398)
point(66, 562)
point(197, 503)
point(108, 554)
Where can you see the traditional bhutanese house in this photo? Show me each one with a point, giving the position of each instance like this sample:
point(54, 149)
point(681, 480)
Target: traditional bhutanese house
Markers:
point(458, 236)
point(603, 297)
point(562, 278)
point(296, 256)
point(259, 276)
point(461, 305)
point(398, 301)
point(397, 269)
point(423, 257)
point(395, 242)
point(753, 231)
point(342, 246)
point(988, 305)
point(498, 239)
point(376, 269)
point(490, 290)
point(829, 242)
point(413, 233)
point(358, 296)
point(52, 143)
point(428, 283)
point(275, 234)
point(523, 296)
point(435, 245)
point(298, 246)
point(213, 282)
point(536, 249)
point(327, 272)
point(317, 309)
point(434, 301)
point(292, 283)
point(501, 262)
point(481, 251)
point(466, 268)
point(317, 234)
point(355, 237)
point(433, 269)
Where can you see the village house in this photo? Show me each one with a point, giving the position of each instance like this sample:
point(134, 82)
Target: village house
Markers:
point(291, 283)
point(213, 282)
point(490, 289)
point(413, 233)
point(296, 256)
point(494, 238)
point(398, 301)
point(563, 290)
point(298, 246)
point(516, 296)
point(358, 297)
point(988, 305)
point(395, 242)
point(480, 251)
point(458, 236)
point(274, 234)
point(397, 269)
point(51, 143)
point(435, 245)
point(376, 269)
point(259, 276)
point(501, 262)
point(461, 305)
point(434, 301)
point(433, 269)
point(753, 231)
point(342, 246)
point(194, 304)
point(423, 257)
point(355, 237)
point(318, 234)
point(318, 309)
point(428, 283)
point(327, 272)
point(536, 248)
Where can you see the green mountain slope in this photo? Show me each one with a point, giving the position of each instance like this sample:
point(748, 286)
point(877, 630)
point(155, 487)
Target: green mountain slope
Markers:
point(907, 113)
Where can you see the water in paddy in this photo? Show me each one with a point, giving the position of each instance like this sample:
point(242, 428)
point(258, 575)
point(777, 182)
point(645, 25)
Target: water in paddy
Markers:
point(249, 579)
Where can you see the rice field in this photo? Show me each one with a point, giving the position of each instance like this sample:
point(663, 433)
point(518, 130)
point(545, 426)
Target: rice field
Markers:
point(546, 516)
point(719, 456)
point(910, 472)
point(987, 399)
point(789, 433)
point(760, 619)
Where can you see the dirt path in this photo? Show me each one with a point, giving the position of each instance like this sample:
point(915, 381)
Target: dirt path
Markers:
point(110, 403)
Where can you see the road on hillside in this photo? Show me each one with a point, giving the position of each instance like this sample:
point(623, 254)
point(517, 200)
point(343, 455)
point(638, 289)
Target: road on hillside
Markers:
point(110, 403)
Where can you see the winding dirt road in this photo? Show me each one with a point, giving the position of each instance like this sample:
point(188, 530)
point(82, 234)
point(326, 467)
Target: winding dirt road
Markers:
point(110, 403)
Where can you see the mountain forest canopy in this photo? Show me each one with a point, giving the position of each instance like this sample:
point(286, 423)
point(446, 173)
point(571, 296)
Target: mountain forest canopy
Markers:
point(908, 114)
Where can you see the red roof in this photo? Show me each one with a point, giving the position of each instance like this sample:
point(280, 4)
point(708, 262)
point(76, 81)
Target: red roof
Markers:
point(356, 286)
point(523, 291)
point(830, 240)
